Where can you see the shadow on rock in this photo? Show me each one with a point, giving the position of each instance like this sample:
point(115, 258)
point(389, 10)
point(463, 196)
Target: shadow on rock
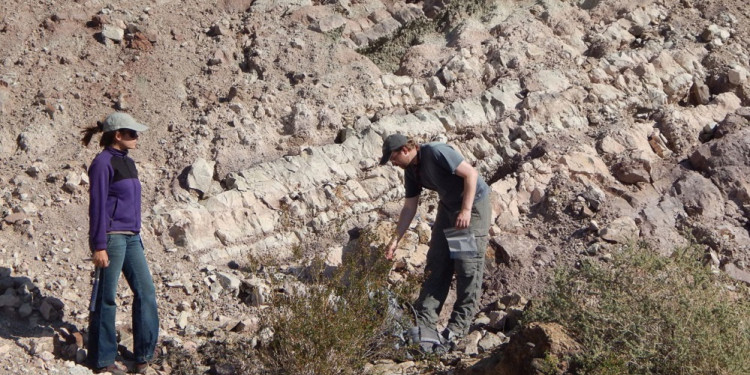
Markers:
point(531, 351)
point(29, 319)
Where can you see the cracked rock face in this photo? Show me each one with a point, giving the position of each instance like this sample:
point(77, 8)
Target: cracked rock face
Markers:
point(596, 123)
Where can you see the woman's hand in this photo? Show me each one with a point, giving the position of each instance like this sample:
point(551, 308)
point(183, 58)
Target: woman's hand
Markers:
point(100, 258)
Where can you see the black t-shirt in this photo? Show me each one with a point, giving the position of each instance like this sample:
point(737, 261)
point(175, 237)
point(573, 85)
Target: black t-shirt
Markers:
point(436, 171)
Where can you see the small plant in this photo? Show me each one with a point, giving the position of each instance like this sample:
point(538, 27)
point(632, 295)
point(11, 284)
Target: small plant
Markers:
point(548, 365)
point(648, 314)
point(336, 33)
point(387, 51)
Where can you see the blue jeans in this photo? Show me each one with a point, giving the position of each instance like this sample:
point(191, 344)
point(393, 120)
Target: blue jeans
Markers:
point(125, 254)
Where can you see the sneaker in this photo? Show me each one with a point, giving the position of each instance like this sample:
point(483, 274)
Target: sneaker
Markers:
point(113, 369)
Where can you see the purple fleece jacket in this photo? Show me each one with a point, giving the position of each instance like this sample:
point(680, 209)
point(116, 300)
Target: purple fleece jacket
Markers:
point(114, 196)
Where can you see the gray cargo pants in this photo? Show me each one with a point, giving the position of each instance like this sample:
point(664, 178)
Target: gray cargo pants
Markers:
point(440, 268)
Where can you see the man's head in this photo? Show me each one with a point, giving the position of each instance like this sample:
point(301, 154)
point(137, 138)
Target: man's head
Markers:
point(398, 149)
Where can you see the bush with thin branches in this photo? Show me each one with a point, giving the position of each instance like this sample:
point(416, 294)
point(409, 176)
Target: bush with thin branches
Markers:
point(648, 314)
point(341, 322)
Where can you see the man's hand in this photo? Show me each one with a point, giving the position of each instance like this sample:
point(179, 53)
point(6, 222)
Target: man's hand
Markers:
point(404, 218)
point(390, 249)
point(463, 219)
point(100, 258)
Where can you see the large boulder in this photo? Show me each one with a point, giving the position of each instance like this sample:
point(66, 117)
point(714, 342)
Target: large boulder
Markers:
point(726, 162)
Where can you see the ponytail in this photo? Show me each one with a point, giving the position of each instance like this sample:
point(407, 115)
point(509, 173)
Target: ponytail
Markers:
point(90, 131)
point(108, 138)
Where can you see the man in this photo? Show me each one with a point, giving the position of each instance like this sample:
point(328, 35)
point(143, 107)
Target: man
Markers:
point(464, 203)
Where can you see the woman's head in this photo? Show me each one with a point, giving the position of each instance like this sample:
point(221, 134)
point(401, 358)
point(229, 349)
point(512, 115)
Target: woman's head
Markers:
point(119, 130)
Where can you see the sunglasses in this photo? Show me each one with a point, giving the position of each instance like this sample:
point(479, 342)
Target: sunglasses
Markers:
point(129, 132)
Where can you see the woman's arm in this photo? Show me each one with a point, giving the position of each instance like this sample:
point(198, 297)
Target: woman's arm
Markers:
point(99, 176)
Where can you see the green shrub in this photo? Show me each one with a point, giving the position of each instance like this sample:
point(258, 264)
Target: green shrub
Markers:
point(647, 314)
point(340, 323)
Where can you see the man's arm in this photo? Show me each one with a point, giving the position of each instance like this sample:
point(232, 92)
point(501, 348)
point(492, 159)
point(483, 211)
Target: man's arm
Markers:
point(469, 174)
point(404, 220)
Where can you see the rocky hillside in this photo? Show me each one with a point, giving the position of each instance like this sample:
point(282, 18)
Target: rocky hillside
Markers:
point(597, 123)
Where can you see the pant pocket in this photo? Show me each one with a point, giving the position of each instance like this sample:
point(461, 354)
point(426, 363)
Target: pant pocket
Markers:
point(482, 244)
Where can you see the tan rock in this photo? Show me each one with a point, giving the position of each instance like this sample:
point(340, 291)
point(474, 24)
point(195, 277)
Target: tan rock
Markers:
point(632, 171)
point(469, 344)
point(699, 196)
point(736, 273)
point(609, 145)
point(4, 99)
point(737, 75)
point(201, 175)
point(113, 32)
point(548, 81)
point(621, 230)
point(586, 164)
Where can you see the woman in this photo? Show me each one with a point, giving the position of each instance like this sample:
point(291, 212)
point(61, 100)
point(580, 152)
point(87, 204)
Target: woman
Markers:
point(115, 242)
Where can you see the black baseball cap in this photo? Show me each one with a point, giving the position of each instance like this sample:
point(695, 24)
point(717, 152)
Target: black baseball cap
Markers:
point(392, 143)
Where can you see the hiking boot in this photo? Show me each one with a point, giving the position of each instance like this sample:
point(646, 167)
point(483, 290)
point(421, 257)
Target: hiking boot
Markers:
point(450, 339)
point(142, 368)
point(427, 339)
point(113, 369)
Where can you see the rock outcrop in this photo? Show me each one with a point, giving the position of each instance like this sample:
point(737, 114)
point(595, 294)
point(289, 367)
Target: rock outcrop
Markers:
point(598, 124)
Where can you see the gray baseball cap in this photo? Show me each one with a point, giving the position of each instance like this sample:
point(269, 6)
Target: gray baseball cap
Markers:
point(392, 143)
point(122, 120)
